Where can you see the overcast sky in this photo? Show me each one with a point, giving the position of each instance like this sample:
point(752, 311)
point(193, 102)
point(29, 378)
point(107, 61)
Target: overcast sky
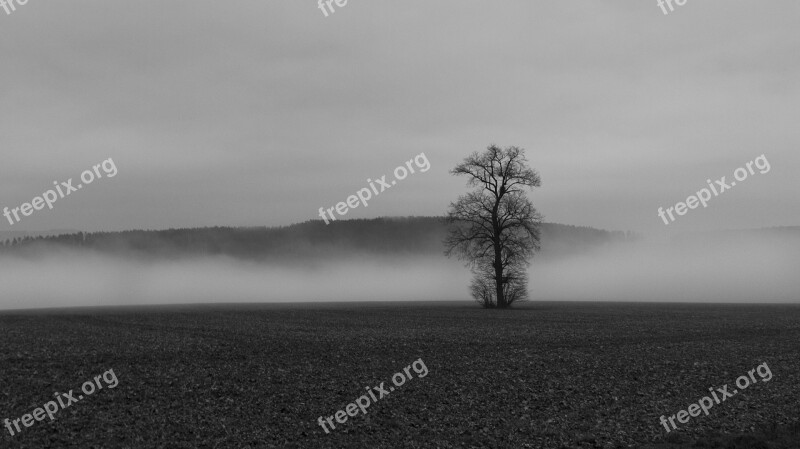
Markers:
point(260, 112)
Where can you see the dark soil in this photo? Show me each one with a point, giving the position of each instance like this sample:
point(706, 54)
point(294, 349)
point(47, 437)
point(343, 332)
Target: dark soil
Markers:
point(542, 375)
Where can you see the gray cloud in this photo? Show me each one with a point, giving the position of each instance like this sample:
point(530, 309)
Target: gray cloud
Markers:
point(260, 112)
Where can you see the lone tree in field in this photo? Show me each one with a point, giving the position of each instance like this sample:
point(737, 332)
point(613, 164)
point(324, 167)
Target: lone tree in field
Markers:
point(495, 228)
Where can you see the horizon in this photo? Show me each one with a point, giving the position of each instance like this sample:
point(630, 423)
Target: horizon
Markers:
point(678, 232)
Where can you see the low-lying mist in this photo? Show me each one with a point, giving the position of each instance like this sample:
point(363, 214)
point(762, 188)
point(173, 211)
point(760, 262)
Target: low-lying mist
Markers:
point(747, 266)
point(752, 267)
point(71, 279)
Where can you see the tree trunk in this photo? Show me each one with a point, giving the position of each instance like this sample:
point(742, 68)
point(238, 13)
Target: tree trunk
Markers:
point(498, 264)
point(498, 278)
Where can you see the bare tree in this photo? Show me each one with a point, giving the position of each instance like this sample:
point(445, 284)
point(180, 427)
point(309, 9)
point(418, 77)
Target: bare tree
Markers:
point(495, 228)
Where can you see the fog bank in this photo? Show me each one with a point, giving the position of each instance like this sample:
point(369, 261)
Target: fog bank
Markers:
point(80, 279)
point(752, 267)
point(727, 267)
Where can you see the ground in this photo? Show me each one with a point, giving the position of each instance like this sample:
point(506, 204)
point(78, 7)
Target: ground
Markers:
point(543, 375)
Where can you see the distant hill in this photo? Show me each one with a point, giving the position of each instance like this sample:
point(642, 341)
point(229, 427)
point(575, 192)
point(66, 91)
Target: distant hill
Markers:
point(10, 235)
point(402, 237)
